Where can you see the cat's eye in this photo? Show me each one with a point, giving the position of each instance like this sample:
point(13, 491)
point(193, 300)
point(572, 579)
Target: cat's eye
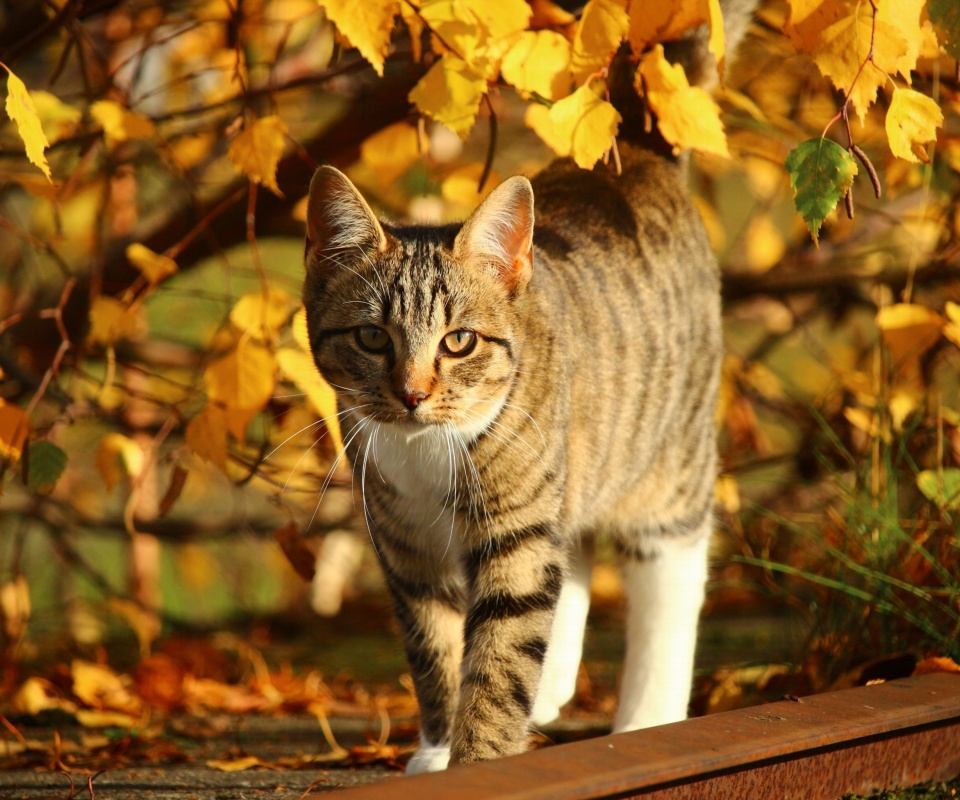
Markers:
point(459, 343)
point(373, 339)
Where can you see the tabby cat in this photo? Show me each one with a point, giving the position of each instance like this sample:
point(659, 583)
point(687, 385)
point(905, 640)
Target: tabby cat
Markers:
point(512, 388)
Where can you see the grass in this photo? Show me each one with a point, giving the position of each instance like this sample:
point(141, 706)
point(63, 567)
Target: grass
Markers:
point(936, 790)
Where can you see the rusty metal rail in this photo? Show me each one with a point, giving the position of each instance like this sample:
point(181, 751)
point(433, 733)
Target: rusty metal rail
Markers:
point(891, 734)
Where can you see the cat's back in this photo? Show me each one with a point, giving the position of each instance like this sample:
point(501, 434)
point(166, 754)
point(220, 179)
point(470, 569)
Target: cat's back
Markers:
point(628, 278)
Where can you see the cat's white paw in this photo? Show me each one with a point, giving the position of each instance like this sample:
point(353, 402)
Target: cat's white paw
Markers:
point(546, 707)
point(429, 758)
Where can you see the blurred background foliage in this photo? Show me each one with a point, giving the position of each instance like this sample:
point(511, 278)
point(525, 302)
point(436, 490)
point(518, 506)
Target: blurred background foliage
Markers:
point(163, 453)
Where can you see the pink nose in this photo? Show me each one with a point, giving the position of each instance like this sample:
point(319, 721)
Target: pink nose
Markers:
point(412, 399)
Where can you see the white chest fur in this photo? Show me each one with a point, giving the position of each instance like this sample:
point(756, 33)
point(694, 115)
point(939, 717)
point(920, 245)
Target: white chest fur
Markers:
point(421, 467)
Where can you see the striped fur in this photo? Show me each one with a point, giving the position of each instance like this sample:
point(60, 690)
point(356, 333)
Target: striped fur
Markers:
point(584, 409)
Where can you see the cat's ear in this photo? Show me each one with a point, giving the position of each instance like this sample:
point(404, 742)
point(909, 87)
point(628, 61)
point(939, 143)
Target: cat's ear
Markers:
point(338, 220)
point(500, 232)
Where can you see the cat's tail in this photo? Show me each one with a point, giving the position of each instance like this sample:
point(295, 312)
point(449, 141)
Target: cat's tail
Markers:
point(692, 52)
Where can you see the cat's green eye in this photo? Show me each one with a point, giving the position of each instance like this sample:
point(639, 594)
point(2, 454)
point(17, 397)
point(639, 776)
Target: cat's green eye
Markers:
point(459, 343)
point(373, 339)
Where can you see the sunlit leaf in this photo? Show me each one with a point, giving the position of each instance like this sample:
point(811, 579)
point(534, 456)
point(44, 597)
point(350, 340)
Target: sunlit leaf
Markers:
point(15, 608)
point(952, 329)
point(908, 330)
point(59, 120)
point(537, 118)
point(47, 464)
point(821, 172)
point(686, 115)
point(587, 122)
point(118, 457)
point(21, 109)
point(912, 121)
point(263, 315)
point(666, 20)
point(461, 185)
point(450, 93)
point(300, 369)
point(154, 266)
point(98, 686)
point(602, 27)
point(206, 435)
point(366, 24)
point(244, 378)
point(257, 150)
point(539, 62)
point(111, 321)
point(502, 18)
point(14, 427)
point(391, 152)
point(119, 124)
point(941, 486)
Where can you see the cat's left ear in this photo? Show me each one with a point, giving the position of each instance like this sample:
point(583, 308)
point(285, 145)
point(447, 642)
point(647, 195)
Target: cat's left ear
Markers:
point(338, 220)
point(500, 232)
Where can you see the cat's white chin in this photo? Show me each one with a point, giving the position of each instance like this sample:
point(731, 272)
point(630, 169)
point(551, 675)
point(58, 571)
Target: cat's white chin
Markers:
point(428, 758)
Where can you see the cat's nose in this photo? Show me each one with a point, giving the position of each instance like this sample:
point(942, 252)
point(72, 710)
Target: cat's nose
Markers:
point(412, 399)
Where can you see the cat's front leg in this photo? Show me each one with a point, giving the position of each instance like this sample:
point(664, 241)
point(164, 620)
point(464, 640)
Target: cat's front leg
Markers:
point(429, 609)
point(514, 581)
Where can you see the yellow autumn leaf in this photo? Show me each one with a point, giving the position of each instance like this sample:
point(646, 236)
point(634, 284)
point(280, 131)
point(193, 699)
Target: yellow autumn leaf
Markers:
point(58, 119)
point(111, 321)
point(257, 150)
point(238, 764)
point(390, 152)
point(549, 16)
point(912, 121)
point(808, 19)
point(908, 330)
point(263, 315)
point(100, 687)
point(843, 47)
point(904, 16)
point(537, 118)
point(502, 18)
point(450, 93)
point(14, 427)
point(299, 368)
point(952, 329)
point(460, 186)
point(120, 124)
point(587, 122)
point(366, 24)
point(666, 20)
point(154, 266)
point(409, 14)
point(602, 27)
point(206, 435)
point(118, 457)
point(244, 378)
point(92, 718)
point(299, 328)
point(456, 27)
point(727, 493)
point(686, 115)
point(21, 109)
point(539, 62)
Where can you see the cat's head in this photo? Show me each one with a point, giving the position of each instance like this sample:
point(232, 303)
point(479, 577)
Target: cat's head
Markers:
point(417, 325)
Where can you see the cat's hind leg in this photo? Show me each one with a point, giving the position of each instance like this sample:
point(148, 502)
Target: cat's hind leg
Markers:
point(664, 594)
point(558, 682)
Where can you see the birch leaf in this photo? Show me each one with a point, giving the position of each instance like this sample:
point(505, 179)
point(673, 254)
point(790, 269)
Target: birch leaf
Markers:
point(821, 172)
point(243, 378)
point(587, 122)
point(47, 463)
point(686, 115)
point(450, 93)
point(366, 24)
point(908, 330)
point(602, 27)
point(942, 488)
point(21, 109)
point(390, 152)
point(111, 321)
point(300, 369)
point(667, 20)
point(14, 427)
point(256, 151)
point(539, 62)
point(120, 124)
point(154, 266)
point(912, 121)
point(262, 316)
point(206, 435)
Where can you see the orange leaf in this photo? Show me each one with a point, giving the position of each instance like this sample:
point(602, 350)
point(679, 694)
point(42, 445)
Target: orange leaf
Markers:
point(256, 151)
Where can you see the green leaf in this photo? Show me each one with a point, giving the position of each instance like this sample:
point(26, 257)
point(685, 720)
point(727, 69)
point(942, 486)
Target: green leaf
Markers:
point(945, 16)
point(46, 463)
point(945, 494)
point(821, 172)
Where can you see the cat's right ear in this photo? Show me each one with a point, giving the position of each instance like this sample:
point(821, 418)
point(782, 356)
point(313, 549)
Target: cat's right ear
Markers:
point(338, 221)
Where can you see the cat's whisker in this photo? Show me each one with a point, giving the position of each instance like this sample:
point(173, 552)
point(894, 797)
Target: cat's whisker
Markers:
point(351, 435)
point(363, 488)
point(502, 437)
point(312, 425)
